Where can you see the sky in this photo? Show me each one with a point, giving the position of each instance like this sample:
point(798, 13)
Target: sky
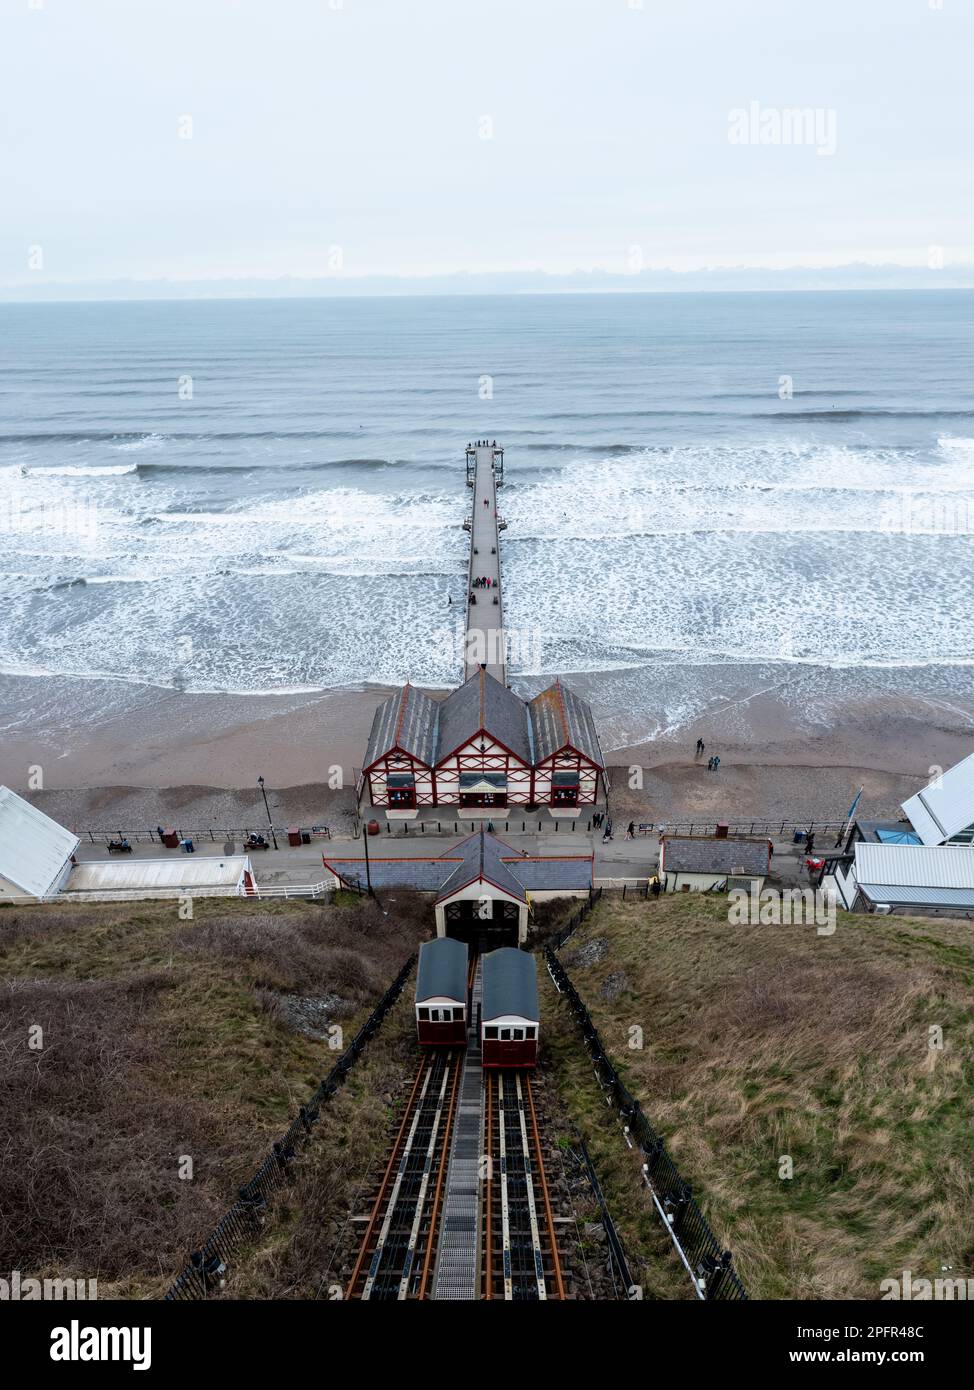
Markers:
point(207, 140)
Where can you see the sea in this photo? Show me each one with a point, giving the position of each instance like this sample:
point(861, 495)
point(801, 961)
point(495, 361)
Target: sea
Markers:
point(266, 496)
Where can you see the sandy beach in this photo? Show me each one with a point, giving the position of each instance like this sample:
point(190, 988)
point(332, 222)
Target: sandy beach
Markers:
point(161, 756)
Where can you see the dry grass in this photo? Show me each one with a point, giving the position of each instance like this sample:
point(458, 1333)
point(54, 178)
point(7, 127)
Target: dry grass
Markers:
point(157, 1043)
point(763, 1041)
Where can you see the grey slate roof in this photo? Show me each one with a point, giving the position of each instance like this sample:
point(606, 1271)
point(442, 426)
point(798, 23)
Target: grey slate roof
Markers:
point(483, 703)
point(479, 855)
point(712, 856)
point(442, 970)
point(510, 985)
point(425, 875)
point(407, 720)
point(431, 730)
point(482, 856)
point(560, 717)
point(550, 875)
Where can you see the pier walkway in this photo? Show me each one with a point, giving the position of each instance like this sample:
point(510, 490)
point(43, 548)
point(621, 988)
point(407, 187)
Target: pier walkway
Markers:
point(485, 642)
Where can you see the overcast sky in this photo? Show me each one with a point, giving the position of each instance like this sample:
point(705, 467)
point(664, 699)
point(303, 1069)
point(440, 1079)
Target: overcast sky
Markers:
point(361, 125)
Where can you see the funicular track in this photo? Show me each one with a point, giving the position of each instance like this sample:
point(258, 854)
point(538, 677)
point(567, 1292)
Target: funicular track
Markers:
point(398, 1250)
point(520, 1245)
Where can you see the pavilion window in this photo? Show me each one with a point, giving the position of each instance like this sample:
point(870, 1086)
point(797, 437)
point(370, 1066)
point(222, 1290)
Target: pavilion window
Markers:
point(401, 788)
point(564, 787)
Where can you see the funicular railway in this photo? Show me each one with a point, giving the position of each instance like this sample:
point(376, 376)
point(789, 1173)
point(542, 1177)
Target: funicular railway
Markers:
point(463, 1208)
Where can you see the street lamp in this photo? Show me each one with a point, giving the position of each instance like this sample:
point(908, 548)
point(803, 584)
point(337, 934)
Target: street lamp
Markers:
point(260, 783)
point(368, 871)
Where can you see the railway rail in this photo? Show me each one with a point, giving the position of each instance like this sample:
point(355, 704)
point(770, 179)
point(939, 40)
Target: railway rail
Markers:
point(520, 1244)
point(398, 1250)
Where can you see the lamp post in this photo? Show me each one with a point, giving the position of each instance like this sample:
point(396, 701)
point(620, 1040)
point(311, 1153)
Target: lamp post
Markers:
point(368, 873)
point(260, 783)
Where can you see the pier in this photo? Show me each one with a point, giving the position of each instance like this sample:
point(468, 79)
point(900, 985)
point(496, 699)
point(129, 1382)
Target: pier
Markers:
point(485, 643)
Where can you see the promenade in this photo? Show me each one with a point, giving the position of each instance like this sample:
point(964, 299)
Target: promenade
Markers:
point(301, 866)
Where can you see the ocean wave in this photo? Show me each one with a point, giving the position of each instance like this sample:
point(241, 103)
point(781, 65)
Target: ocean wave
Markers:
point(146, 441)
point(91, 470)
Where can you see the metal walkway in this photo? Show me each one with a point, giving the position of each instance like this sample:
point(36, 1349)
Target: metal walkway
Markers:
point(485, 642)
point(457, 1273)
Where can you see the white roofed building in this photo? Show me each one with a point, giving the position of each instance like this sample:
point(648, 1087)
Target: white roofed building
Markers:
point(192, 875)
point(35, 852)
point(908, 878)
point(943, 812)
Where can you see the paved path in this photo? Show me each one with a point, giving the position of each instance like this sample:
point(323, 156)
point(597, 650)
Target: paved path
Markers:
point(485, 606)
point(619, 858)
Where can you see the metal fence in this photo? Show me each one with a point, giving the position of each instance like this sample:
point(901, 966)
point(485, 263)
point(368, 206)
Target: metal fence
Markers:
point(207, 1268)
point(709, 1266)
point(617, 1263)
point(212, 834)
point(575, 920)
point(773, 829)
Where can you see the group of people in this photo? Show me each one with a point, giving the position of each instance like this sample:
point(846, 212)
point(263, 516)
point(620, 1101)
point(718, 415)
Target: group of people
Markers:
point(484, 581)
point(713, 763)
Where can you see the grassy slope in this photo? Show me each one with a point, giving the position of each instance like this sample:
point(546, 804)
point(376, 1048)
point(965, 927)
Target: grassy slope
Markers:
point(767, 1041)
point(158, 1042)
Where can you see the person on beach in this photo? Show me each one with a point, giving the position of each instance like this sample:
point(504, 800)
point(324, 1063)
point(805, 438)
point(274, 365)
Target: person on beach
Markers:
point(716, 762)
point(710, 763)
point(700, 746)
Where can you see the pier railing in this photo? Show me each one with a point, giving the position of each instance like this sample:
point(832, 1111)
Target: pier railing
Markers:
point(206, 1270)
point(710, 1267)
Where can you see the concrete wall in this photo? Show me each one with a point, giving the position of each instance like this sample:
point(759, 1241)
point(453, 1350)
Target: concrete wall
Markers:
point(700, 883)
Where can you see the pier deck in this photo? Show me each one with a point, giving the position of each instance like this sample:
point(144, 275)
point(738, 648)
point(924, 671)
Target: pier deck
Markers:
point(485, 606)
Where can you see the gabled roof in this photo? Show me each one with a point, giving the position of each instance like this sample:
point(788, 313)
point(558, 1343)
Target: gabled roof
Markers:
point(33, 848)
point(510, 985)
point(482, 857)
point(559, 719)
point(442, 970)
point(482, 703)
point(940, 811)
point(710, 855)
point(406, 721)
